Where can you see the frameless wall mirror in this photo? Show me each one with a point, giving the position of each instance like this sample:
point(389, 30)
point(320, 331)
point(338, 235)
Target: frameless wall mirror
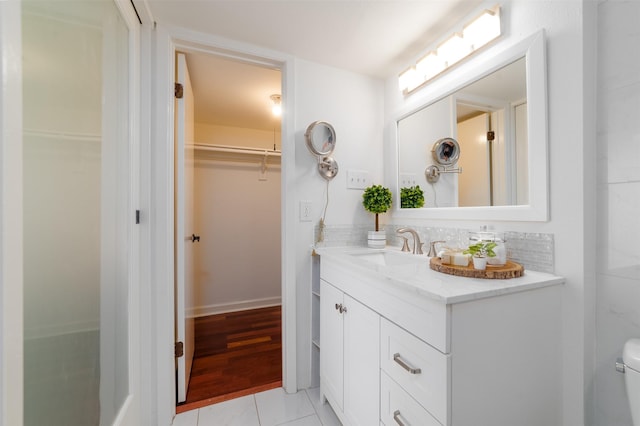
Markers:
point(497, 115)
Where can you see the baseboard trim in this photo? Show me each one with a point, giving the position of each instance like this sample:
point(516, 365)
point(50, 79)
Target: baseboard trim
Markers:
point(56, 330)
point(223, 308)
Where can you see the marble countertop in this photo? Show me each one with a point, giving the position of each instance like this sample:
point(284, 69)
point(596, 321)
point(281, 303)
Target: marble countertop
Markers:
point(416, 276)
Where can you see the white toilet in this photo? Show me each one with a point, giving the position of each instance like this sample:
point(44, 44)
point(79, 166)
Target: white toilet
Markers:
point(631, 359)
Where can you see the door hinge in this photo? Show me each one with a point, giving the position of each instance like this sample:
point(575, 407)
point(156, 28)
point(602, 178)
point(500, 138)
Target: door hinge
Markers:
point(178, 90)
point(491, 135)
point(179, 349)
point(137, 217)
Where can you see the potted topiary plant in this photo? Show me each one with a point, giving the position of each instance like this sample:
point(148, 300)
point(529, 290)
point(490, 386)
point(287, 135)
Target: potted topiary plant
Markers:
point(411, 197)
point(479, 253)
point(376, 199)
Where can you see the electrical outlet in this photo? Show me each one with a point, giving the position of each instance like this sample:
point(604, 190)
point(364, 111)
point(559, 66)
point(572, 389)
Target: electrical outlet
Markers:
point(306, 210)
point(357, 179)
point(407, 180)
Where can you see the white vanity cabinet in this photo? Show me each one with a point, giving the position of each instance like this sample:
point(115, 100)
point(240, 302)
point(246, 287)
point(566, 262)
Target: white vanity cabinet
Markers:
point(349, 361)
point(448, 351)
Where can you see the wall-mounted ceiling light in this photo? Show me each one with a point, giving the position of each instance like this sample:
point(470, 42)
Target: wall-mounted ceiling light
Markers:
point(276, 105)
point(475, 34)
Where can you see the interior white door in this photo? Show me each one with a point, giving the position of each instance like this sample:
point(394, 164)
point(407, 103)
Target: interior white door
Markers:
point(474, 181)
point(185, 236)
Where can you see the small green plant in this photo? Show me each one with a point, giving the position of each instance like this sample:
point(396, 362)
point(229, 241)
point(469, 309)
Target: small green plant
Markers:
point(411, 197)
point(376, 199)
point(482, 249)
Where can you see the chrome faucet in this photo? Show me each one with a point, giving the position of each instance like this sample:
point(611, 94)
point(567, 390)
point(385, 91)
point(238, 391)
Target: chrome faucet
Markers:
point(417, 245)
point(433, 252)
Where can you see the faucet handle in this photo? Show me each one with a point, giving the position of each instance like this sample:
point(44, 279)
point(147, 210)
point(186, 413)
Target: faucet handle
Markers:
point(405, 244)
point(432, 248)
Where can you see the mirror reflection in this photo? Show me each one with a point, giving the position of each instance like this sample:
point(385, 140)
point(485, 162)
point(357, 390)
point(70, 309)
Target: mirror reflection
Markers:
point(488, 119)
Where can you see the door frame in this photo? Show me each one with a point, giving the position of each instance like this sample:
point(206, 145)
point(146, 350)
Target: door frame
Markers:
point(168, 41)
point(11, 258)
point(130, 412)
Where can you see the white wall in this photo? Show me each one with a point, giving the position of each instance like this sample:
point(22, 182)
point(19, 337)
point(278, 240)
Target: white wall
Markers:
point(570, 100)
point(237, 215)
point(430, 124)
point(353, 104)
point(618, 273)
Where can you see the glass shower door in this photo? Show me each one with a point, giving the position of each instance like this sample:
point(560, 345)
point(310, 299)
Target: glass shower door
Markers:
point(77, 214)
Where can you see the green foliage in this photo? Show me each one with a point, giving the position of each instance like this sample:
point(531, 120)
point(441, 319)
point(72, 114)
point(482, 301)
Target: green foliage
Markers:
point(482, 249)
point(411, 197)
point(376, 199)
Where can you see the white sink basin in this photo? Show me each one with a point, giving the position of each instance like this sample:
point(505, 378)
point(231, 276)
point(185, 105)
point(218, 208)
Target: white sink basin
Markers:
point(390, 258)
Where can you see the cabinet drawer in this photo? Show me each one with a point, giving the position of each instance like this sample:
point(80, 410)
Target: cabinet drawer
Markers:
point(422, 371)
point(397, 407)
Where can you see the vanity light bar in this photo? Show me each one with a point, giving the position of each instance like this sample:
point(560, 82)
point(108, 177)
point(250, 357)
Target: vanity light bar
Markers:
point(476, 34)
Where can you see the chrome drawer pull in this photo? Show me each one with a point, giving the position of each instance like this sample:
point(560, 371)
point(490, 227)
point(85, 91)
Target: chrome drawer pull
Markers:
point(396, 417)
point(397, 358)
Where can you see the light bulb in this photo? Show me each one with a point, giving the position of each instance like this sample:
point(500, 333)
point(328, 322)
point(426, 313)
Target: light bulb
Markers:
point(276, 107)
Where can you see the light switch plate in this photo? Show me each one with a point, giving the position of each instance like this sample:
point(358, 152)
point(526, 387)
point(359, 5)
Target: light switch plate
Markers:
point(357, 179)
point(407, 180)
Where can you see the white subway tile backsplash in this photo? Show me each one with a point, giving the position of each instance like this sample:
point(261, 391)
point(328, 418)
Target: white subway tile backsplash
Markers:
point(342, 235)
point(535, 251)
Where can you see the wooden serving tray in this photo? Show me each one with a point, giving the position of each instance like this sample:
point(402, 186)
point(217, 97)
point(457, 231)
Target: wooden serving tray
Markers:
point(508, 270)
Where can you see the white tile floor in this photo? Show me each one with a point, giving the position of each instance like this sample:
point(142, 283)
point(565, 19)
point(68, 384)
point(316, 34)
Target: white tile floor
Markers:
point(270, 408)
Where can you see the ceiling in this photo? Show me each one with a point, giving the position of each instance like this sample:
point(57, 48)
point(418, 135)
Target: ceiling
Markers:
point(378, 38)
point(231, 93)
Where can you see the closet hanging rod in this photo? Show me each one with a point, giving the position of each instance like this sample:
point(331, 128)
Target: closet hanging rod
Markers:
point(238, 150)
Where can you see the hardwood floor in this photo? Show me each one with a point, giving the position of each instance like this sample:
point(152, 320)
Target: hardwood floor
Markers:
point(236, 354)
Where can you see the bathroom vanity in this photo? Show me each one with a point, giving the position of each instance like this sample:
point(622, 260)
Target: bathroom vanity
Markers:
point(402, 344)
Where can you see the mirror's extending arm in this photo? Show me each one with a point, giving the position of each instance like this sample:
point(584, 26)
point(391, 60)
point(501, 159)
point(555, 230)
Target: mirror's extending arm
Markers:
point(432, 173)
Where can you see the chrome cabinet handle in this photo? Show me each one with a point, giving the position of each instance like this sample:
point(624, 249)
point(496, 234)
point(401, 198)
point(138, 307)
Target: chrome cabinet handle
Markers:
point(397, 418)
point(398, 359)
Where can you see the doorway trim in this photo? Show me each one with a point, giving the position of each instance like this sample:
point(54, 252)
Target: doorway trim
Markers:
point(11, 257)
point(168, 41)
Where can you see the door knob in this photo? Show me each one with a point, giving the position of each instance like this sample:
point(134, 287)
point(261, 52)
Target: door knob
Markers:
point(195, 238)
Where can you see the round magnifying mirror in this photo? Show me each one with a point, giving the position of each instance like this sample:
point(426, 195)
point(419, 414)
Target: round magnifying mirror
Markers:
point(446, 151)
point(320, 138)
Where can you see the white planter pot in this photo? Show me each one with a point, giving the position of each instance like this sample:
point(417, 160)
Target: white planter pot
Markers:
point(480, 263)
point(377, 239)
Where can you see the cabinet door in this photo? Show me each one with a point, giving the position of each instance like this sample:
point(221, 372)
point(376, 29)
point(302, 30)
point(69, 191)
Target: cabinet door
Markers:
point(361, 364)
point(331, 343)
